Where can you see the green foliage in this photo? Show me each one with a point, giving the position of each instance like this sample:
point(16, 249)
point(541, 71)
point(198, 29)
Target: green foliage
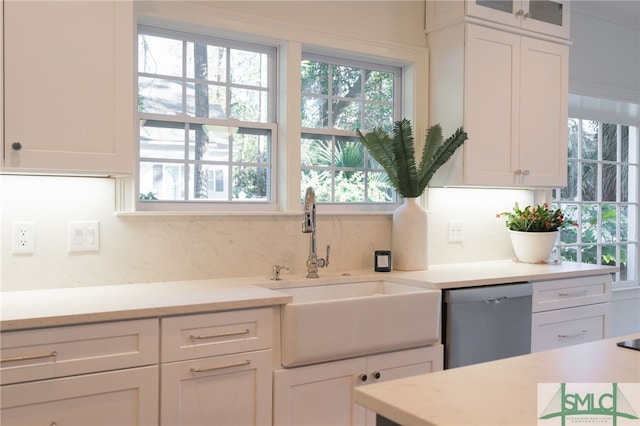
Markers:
point(397, 155)
point(537, 219)
point(148, 196)
point(589, 231)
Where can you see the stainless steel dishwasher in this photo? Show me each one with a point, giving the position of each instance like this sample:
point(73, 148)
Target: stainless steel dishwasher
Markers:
point(486, 323)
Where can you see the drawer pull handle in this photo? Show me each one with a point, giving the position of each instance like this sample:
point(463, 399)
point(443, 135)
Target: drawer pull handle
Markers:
point(568, 336)
point(574, 294)
point(213, 336)
point(29, 357)
point(221, 367)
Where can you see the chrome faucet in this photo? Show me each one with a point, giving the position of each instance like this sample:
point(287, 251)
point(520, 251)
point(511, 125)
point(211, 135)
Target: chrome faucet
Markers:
point(309, 227)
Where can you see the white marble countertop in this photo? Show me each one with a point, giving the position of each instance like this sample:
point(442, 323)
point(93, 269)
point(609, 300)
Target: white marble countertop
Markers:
point(51, 307)
point(62, 306)
point(503, 392)
point(474, 274)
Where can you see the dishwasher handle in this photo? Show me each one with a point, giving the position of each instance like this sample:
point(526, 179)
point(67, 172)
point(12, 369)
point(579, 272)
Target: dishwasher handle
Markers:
point(492, 294)
point(495, 300)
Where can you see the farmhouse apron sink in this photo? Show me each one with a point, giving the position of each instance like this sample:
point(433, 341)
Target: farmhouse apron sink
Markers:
point(336, 321)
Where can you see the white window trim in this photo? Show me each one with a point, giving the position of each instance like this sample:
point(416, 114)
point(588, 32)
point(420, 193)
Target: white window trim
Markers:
point(291, 39)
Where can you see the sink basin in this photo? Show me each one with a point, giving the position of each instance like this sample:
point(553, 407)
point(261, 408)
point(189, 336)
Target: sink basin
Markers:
point(336, 321)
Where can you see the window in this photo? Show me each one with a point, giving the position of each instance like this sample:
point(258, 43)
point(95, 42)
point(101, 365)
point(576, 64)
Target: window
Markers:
point(602, 196)
point(207, 122)
point(339, 97)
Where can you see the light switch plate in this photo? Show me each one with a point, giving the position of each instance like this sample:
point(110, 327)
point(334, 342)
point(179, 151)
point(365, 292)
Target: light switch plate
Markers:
point(456, 233)
point(83, 235)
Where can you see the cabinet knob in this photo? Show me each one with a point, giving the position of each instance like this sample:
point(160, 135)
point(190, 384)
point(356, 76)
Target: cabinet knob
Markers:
point(520, 12)
point(525, 172)
point(517, 172)
point(364, 378)
point(16, 146)
point(377, 375)
point(528, 15)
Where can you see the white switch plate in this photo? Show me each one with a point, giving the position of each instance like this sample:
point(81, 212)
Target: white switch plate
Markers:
point(84, 235)
point(23, 238)
point(456, 233)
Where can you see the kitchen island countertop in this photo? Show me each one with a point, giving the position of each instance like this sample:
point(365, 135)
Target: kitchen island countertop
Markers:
point(500, 392)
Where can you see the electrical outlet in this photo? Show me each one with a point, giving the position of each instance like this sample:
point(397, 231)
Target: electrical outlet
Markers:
point(456, 231)
point(83, 235)
point(23, 237)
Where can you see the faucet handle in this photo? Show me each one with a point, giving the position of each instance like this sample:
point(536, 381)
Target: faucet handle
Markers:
point(325, 262)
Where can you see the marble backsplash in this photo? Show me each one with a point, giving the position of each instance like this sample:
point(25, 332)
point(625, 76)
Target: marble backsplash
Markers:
point(150, 248)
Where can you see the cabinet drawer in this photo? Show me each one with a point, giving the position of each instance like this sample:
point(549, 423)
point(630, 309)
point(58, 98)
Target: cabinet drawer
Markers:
point(115, 398)
point(559, 294)
point(63, 351)
point(566, 327)
point(198, 336)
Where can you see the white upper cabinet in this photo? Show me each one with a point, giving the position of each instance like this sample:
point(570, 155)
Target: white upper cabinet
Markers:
point(69, 87)
point(510, 94)
point(547, 17)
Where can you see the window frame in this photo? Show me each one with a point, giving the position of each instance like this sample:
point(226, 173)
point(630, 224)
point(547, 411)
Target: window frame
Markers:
point(632, 203)
point(291, 39)
point(336, 133)
point(270, 126)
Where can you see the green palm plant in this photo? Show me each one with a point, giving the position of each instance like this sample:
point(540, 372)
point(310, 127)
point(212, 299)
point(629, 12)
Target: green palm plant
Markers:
point(397, 155)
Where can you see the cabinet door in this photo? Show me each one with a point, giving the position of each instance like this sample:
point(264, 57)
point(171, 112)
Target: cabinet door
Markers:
point(491, 103)
point(69, 86)
point(503, 11)
point(546, 17)
point(119, 398)
point(319, 394)
point(224, 390)
point(402, 364)
point(544, 77)
point(322, 394)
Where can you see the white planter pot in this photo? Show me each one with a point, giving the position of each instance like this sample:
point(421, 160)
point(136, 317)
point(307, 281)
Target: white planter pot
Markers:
point(409, 237)
point(533, 247)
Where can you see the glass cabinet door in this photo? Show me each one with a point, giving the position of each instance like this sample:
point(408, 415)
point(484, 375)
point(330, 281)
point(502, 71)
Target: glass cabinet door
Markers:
point(501, 11)
point(549, 17)
point(545, 11)
point(506, 6)
point(546, 16)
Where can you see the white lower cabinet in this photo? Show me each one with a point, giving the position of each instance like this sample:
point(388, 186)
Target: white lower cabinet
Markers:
point(91, 374)
point(570, 311)
point(322, 394)
point(216, 368)
point(224, 390)
point(118, 398)
point(566, 327)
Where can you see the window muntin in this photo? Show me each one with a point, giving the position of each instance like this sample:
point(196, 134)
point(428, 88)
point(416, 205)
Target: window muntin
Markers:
point(338, 97)
point(207, 122)
point(602, 195)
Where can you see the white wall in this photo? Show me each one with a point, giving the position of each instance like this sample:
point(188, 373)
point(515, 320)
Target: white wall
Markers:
point(604, 80)
point(604, 60)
